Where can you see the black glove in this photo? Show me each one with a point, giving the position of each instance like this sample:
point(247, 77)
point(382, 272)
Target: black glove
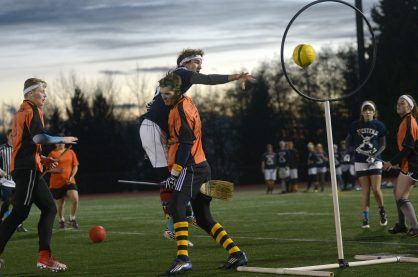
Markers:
point(170, 183)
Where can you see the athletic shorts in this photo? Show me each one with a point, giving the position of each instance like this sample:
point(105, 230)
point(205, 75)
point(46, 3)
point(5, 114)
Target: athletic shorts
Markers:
point(312, 171)
point(62, 192)
point(191, 179)
point(338, 170)
point(348, 167)
point(368, 169)
point(412, 175)
point(322, 169)
point(293, 173)
point(270, 174)
point(7, 183)
point(284, 173)
point(154, 142)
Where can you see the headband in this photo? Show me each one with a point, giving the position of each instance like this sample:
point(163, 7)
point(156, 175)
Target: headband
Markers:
point(188, 59)
point(408, 99)
point(29, 89)
point(368, 103)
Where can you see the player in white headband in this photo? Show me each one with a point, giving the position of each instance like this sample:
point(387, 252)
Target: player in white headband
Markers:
point(367, 137)
point(26, 167)
point(407, 161)
point(154, 124)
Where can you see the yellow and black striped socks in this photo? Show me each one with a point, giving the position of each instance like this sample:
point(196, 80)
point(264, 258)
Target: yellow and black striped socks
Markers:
point(181, 230)
point(221, 236)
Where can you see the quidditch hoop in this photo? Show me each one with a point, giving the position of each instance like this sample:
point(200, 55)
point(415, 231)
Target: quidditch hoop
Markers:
point(301, 93)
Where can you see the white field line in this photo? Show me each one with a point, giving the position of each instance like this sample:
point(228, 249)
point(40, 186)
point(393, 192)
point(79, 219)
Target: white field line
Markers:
point(83, 232)
point(303, 213)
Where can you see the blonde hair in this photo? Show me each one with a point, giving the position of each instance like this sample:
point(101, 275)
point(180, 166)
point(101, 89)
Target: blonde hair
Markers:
point(172, 81)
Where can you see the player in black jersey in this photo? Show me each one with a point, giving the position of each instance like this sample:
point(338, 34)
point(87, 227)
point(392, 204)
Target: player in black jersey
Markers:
point(154, 124)
point(368, 138)
point(269, 168)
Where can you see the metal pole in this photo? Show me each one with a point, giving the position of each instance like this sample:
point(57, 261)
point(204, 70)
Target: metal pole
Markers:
point(334, 182)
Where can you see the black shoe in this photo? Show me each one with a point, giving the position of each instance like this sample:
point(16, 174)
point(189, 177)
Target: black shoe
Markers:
point(412, 233)
point(179, 266)
point(365, 224)
point(397, 229)
point(383, 218)
point(235, 260)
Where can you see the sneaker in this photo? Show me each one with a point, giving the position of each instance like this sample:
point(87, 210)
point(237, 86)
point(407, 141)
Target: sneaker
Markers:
point(179, 266)
point(51, 264)
point(62, 225)
point(365, 224)
point(412, 233)
point(22, 229)
point(73, 224)
point(235, 260)
point(171, 236)
point(398, 229)
point(383, 218)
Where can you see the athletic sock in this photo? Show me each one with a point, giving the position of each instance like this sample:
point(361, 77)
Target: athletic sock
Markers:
point(44, 254)
point(170, 225)
point(401, 216)
point(221, 236)
point(409, 212)
point(366, 215)
point(181, 230)
point(72, 217)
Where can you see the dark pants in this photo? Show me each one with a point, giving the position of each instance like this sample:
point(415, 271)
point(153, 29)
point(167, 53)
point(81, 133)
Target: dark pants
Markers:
point(6, 197)
point(190, 191)
point(30, 188)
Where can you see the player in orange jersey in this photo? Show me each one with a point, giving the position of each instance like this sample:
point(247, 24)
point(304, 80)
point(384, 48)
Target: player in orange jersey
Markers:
point(407, 161)
point(189, 170)
point(27, 166)
point(62, 183)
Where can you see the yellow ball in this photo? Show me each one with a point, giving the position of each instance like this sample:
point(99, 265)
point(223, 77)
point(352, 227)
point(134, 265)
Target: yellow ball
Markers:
point(304, 55)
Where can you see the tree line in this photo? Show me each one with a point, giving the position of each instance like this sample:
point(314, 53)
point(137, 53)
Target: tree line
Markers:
point(237, 124)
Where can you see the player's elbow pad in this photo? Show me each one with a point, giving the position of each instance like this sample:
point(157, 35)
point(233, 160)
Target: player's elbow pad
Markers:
point(46, 139)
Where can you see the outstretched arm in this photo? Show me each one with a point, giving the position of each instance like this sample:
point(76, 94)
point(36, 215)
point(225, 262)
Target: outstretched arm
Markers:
point(216, 79)
point(47, 139)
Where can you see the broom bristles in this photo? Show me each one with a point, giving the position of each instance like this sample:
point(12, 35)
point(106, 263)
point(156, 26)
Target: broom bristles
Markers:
point(218, 189)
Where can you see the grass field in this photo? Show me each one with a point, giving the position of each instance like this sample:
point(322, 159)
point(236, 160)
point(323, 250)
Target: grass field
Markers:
point(274, 230)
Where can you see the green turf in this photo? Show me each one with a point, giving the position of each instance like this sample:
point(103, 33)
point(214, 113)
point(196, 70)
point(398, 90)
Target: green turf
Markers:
point(274, 230)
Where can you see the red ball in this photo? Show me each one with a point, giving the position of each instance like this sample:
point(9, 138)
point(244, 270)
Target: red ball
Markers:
point(97, 234)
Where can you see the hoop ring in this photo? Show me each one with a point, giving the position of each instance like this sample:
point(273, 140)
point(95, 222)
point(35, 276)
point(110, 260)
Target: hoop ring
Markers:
point(371, 66)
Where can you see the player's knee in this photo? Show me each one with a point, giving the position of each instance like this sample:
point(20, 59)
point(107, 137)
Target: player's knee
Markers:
point(402, 201)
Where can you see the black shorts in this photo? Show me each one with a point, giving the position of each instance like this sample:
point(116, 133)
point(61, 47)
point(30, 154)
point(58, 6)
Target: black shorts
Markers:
point(413, 175)
point(191, 179)
point(62, 192)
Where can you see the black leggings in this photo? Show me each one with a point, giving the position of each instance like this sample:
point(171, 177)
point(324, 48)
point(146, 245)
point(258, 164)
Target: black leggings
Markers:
point(30, 188)
point(201, 209)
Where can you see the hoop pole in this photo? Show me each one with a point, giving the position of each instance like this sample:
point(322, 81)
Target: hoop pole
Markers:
point(331, 156)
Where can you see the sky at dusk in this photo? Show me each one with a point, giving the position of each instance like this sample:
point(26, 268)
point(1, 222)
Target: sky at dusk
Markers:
point(46, 38)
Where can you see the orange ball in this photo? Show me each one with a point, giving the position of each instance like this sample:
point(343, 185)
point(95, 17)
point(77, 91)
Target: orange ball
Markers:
point(97, 234)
